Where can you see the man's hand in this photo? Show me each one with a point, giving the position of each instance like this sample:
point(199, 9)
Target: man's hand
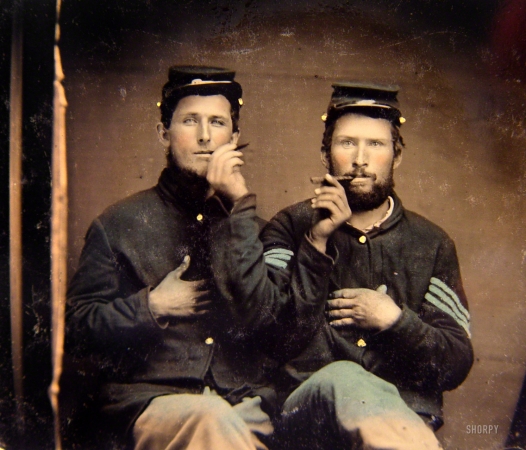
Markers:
point(174, 297)
point(332, 210)
point(363, 308)
point(224, 173)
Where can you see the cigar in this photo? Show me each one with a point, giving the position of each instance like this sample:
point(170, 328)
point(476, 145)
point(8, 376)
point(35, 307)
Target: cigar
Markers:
point(239, 147)
point(319, 180)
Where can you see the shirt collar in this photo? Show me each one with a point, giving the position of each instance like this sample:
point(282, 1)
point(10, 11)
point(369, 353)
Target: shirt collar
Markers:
point(384, 218)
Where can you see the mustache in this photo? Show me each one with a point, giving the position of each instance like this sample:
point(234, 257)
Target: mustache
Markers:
point(361, 173)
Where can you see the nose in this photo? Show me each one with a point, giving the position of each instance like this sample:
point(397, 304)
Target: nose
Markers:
point(360, 159)
point(203, 134)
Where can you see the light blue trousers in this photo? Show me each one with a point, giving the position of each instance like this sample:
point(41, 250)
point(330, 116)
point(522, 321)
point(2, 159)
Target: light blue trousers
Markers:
point(342, 406)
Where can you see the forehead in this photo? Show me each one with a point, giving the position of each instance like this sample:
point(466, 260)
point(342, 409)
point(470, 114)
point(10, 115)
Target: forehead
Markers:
point(359, 126)
point(212, 105)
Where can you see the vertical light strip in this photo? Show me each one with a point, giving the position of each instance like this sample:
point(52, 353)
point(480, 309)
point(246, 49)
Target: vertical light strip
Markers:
point(59, 231)
point(15, 209)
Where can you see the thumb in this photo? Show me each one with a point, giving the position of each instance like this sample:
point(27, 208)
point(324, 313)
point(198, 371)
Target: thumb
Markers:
point(382, 289)
point(178, 273)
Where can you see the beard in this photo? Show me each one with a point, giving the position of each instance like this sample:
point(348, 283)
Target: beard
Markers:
point(196, 184)
point(367, 201)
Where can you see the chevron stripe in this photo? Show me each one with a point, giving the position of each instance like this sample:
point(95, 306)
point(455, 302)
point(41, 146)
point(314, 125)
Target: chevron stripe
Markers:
point(271, 261)
point(444, 298)
point(445, 308)
point(447, 304)
point(279, 251)
point(452, 295)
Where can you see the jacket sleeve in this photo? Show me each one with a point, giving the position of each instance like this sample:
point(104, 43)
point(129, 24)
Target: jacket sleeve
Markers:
point(278, 291)
point(431, 348)
point(103, 312)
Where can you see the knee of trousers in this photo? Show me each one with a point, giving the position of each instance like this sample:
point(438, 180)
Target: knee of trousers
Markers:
point(349, 375)
point(340, 379)
point(174, 411)
point(214, 409)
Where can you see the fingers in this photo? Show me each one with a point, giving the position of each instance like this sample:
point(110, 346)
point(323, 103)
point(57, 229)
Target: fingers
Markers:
point(330, 191)
point(199, 285)
point(225, 148)
point(329, 180)
point(227, 157)
point(329, 200)
point(202, 306)
point(382, 289)
point(333, 199)
point(343, 322)
point(345, 293)
point(223, 172)
point(178, 273)
point(223, 157)
point(340, 313)
point(202, 296)
point(341, 303)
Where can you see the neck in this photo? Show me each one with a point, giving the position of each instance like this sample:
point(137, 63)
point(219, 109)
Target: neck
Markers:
point(362, 220)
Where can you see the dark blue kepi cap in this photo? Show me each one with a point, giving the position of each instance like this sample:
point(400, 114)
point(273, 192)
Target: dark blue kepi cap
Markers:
point(348, 96)
point(202, 80)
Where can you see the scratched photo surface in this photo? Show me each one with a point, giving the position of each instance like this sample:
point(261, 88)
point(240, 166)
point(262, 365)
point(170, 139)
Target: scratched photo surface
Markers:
point(461, 90)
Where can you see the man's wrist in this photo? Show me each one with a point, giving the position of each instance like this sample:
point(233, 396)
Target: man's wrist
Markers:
point(395, 317)
point(319, 243)
point(236, 196)
point(159, 319)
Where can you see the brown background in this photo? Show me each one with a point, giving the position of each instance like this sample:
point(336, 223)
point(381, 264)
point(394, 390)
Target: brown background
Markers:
point(463, 166)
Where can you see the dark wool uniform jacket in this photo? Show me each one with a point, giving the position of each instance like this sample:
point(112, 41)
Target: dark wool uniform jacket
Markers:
point(128, 251)
point(427, 351)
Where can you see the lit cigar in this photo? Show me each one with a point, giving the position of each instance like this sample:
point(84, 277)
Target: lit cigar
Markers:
point(319, 180)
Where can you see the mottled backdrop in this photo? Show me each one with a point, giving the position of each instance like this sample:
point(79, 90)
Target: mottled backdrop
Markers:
point(460, 67)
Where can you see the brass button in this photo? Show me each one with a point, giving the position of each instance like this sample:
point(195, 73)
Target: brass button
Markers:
point(199, 217)
point(209, 341)
point(362, 239)
point(361, 343)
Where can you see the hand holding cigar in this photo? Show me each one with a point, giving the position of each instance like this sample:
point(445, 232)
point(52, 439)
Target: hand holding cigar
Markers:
point(224, 171)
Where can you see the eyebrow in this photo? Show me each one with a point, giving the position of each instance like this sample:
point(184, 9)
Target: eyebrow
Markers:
point(194, 114)
point(345, 136)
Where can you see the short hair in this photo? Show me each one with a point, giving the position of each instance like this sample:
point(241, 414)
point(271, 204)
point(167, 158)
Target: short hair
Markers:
point(373, 113)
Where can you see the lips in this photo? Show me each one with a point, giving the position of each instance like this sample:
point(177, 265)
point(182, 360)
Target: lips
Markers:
point(361, 176)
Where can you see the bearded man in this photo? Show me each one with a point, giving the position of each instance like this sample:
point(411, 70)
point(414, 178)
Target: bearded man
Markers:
point(370, 293)
point(179, 370)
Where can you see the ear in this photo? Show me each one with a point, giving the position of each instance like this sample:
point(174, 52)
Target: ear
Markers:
point(397, 160)
point(164, 136)
point(325, 159)
point(235, 137)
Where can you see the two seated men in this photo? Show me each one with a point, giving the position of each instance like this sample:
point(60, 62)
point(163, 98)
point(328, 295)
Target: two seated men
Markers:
point(336, 325)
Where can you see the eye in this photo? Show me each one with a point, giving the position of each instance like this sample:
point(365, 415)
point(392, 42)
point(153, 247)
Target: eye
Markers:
point(218, 122)
point(376, 144)
point(346, 143)
point(189, 120)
